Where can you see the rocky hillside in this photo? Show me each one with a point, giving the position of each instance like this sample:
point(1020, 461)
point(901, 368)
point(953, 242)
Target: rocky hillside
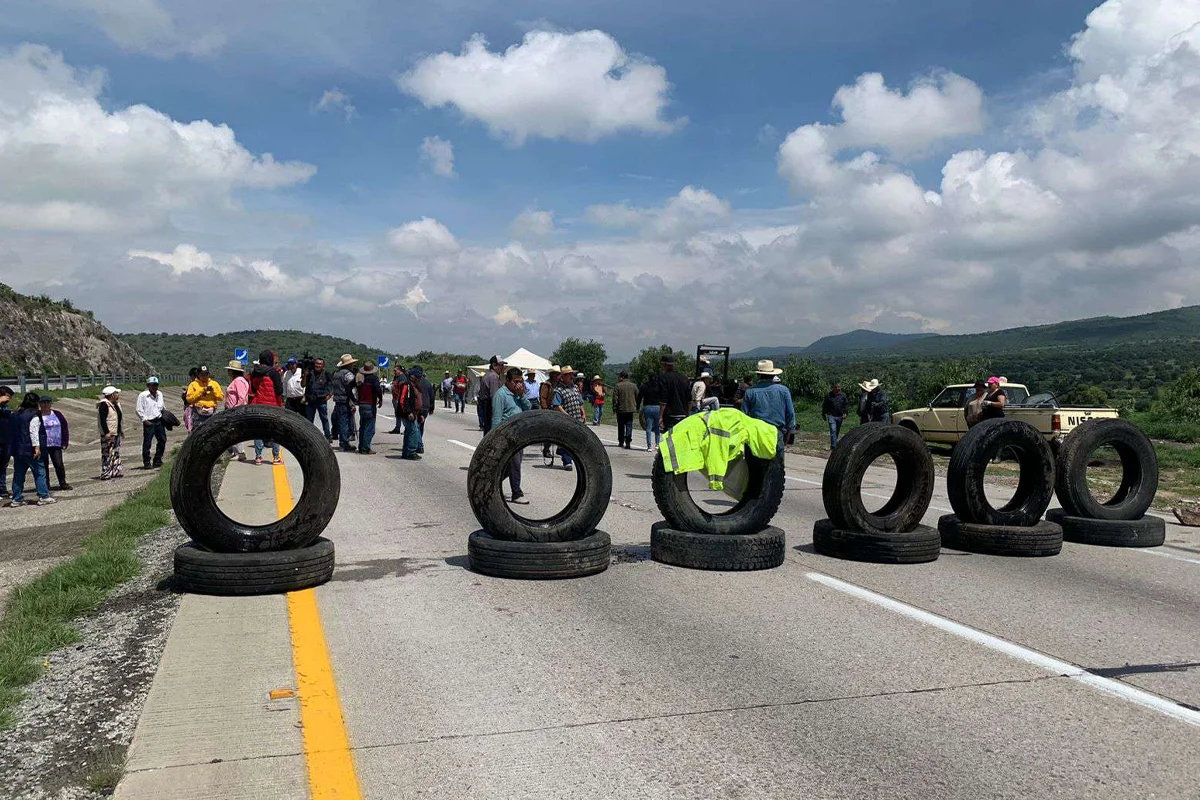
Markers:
point(43, 336)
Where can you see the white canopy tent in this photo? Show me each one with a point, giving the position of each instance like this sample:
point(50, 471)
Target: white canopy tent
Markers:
point(522, 358)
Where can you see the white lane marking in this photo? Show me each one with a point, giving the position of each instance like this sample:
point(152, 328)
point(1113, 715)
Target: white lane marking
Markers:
point(1041, 660)
point(1165, 555)
point(867, 494)
point(461, 444)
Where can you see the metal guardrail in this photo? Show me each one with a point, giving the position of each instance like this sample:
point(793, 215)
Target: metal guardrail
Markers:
point(23, 383)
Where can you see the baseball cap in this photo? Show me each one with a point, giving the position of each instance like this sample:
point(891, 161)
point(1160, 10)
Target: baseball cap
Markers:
point(45, 399)
point(495, 360)
point(152, 379)
point(204, 370)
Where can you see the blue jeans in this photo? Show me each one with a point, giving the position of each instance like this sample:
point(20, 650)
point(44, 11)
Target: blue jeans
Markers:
point(22, 465)
point(341, 416)
point(366, 426)
point(835, 428)
point(258, 448)
point(412, 437)
point(599, 412)
point(650, 415)
point(315, 407)
point(460, 403)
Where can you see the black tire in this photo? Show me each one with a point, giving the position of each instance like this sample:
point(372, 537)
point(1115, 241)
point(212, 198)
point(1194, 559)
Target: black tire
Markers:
point(489, 465)
point(764, 549)
point(1145, 532)
point(504, 558)
point(191, 481)
point(841, 486)
point(201, 571)
point(918, 546)
point(968, 465)
point(1041, 539)
point(751, 514)
point(1139, 471)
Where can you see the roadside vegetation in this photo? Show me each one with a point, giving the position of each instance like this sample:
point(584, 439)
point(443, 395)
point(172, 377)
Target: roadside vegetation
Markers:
point(38, 615)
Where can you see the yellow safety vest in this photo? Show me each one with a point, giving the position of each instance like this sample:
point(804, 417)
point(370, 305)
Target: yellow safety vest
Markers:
point(711, 440)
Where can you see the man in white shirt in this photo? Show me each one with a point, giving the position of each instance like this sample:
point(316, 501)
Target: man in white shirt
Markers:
point(447, 390)
point(293, 387)
point(150, 412)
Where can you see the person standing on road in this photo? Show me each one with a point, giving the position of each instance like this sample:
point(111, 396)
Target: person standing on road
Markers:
point(460, 393)
point(545, 397)
point(399, 378)
point(237, 394)
point(429, 394)
point(625, 405)
point(5, 454)
point(873, 404)
point(109, 417)
point(531, 385)
point(343, 399)
point(203, 394)
point(411, 405)
point(56, 435)
point(189, 413)
point(26, 438)
point(266, 389)
point(488, 387)
point(598, 399)
point(317, 388)
point(507, 403)
point(370, 399)
point(150, 412)
point(569, 401)
point(834, 408)
point(650, 395)
point(447, 389)
point(676, 395)
point(771, 402)
point(293, 387)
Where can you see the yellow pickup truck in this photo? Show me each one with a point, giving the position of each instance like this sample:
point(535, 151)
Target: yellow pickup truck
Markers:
point(944, 419)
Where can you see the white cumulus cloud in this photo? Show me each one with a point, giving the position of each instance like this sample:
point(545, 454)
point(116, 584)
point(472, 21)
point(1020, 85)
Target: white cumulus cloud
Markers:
point(507, 314)
point(533, 224)
point(691, 211)
point(581, 86)
point(335, 100)
point(142, 26)
point(439, 155)
point(423, 238)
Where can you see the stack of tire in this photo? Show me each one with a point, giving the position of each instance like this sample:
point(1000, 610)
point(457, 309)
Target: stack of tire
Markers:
point(1121, 521)
point(226, 557)
point(1016, 528)
point(566, 545)
point(741, 539)
point(893, 534)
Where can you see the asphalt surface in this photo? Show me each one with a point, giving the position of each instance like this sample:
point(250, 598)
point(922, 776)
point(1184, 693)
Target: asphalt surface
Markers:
point(655, 681)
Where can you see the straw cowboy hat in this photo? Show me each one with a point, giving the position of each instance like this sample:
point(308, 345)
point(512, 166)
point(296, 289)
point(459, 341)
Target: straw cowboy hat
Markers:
point(870, 386)
point(567, 368)
point(368, 368)
point(346, 360)
point(767, 367)
point(235, 366)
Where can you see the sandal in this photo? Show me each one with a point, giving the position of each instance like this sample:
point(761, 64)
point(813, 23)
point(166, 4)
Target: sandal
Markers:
point(258, 461)
point(277, 460)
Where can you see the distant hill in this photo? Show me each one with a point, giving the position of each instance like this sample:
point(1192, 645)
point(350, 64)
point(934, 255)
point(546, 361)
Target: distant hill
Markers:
point(179, 352)
point(52, 337)
point(855, 341)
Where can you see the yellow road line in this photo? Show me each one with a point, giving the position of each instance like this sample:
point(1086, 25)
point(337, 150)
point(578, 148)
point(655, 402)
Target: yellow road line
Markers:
point(326, 746)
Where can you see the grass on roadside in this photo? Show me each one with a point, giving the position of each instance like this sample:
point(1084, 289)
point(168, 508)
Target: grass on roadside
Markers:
point(37, 617)
point(130, 390)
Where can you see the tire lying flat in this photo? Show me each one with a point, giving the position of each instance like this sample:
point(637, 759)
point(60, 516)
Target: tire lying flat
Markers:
point(969, 463)
point(191, 481)
point(1139, 471)
point(1145, 532)
point(918, 546)
point(489, 466)
point(502, 558)
point(752, 513)
point(1042, 539)
point(744, 553)
point(201, 571)
point(841, 485)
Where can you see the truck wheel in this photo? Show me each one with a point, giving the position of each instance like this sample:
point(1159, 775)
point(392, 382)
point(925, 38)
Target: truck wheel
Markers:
point(191, 481)
point(1145, 532)
point(489, 466)
point(1040, 539)
point(502, 558)
point(752, 512)
point(763, 549)
point(1139, 471)
point(841, 486)
point(200, 570)
point(968, 465)
point(918, 546)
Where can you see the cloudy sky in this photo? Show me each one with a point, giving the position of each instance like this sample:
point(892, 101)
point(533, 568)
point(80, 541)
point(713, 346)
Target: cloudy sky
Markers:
point(474, 175)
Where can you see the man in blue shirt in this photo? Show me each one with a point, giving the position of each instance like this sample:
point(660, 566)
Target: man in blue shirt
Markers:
point(509, 401)
point(771, 402)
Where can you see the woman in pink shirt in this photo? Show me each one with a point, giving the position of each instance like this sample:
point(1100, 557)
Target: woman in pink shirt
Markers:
point(237, 394)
